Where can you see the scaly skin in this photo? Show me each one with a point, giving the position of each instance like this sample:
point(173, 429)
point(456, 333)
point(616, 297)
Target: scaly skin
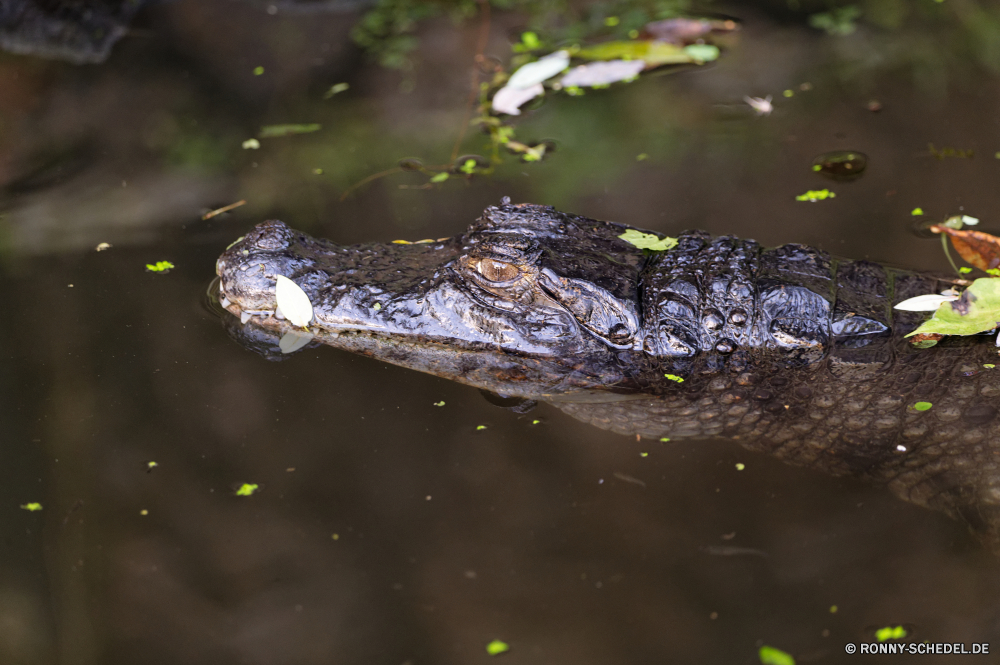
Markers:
point(784, 350)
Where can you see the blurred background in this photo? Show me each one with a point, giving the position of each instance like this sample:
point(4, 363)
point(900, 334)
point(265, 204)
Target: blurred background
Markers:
point(386, 529)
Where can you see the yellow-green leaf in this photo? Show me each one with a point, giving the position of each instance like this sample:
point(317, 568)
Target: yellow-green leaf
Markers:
point(978, 310)
point(648, 240)
point(890, 633)
point(246, 489)
point(674, 377)
point(653, 53)
point(31, 507)
point(922, 406)
point(497, 647)
point(771, 656)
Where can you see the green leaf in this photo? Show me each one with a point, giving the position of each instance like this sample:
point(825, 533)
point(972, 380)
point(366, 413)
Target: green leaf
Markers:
point(916, 211)
point(890, 633)
point(740, 466)
point(648, 240)
point(251, 144)
point(159, 266)
point(978, 310)
point(335, 89)
point(989, 365)
point(257, 71)
point(479, 428)
point(246, 489)
point(468, 167)
point(701, 53)
point(814, 195)
point(664, 439)
point(274, 131)
point(674, 377)
point(497, 647)
point(771, 656)
point(440, 177)
point(922, 406)
point(965, 270)
point(441, 403)
point(653, 53)
point(31, 507)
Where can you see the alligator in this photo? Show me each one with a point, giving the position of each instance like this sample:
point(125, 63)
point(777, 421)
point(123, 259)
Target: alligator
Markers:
point(785, 350)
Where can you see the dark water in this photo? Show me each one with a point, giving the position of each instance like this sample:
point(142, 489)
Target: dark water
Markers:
point(387, 530)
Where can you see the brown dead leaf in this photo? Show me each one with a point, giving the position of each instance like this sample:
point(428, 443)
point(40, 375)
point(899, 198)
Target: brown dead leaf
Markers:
point(977, 248)
point(925, 340)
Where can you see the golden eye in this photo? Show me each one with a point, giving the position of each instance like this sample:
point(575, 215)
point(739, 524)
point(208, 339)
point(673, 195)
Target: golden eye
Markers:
point(497, 271)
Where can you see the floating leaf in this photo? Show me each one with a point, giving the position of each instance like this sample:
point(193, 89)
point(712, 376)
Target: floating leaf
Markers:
point(440, 177)
point(740, 466)
point(31, 507)
point(925, 340)
point(441, 403)
point(538, 71)
point(841, 164)
point(664, 439)
point(293, 340)
point(989, 365)
point(890, 633)
point(702, 53)
point(925, 303)
point(674, 377)
point(293, 301)
point(479, 428)
point(922, 406)
point(102, 246)
point(980, 249)
point(762, 105)
point(160, 266)
point(816, 195)
point(602, 73)
point(274, 131)
point(771, 656)
point(251, 144)
point(509, 99)
point(652, 53)
point(247, 489)
point(917, 211)
point(497, 647)
point(257, 71)
point(335, 90)
point(150, 466)
point(976, 311)
point(648, 240)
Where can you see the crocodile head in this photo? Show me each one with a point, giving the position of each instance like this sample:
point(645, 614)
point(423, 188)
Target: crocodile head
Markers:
point(529, 301)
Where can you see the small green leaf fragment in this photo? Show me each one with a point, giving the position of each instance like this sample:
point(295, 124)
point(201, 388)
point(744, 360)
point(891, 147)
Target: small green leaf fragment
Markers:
point(377, 306)
point(632, 34)
point(788, 93)
point(335, 89)
point(159, 266)
point(917, 211)
point(771, 656)
point(479, 428)
point(468, 167)
point(530, 40)
point(251, 144)
point(702, 53)
point(258, 70)
point(31, 507)
point(740, 466)
point(989, 365)
point(641, 157)
point(497, 647)
point(151, 465)
point(440, 177)
point(817, 167)
point(674, 377)
point(612, 21)
point(648, 241)
point(274, 131)
point(247, 489)
point(890, 633)
point(833, 609)
point(814, 195)
point(664, 439)
point(535, 422)
point(441, 403)
point(922, 406)
point(643, 454)
point(965, 270)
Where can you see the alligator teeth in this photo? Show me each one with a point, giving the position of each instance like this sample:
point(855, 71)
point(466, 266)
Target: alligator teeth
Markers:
point(244, 317)
point(224, 302)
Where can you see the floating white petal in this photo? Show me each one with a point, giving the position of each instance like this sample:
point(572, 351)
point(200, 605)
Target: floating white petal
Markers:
point(293, 301)
point(508, 100)
point(925, 303)
point(540, 70)
point(602, 73)
point(292, 341)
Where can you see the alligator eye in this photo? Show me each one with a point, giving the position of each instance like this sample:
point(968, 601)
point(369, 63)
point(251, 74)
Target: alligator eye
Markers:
point(498, 271)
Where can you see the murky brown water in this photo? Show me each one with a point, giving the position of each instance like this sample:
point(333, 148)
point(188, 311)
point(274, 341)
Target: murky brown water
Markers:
point(388, 530)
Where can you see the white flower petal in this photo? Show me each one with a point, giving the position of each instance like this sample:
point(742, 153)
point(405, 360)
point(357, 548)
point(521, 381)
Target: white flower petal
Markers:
point(293, 301)
point(925, 303)
point(602, 73)
point(508, 99)
point(969, 221)
point(540, 70)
